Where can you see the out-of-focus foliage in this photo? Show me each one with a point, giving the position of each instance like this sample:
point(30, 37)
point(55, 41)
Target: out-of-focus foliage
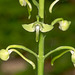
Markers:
point(12, 16)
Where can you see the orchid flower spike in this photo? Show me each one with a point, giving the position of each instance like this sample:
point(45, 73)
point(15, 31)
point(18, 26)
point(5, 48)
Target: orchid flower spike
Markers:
point(24, 3)
point(37, 26)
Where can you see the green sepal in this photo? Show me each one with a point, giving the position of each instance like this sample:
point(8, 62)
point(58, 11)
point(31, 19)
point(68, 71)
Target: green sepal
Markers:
point(64, 25)
point(4, 54)
point(29, 27)
point(46, 28)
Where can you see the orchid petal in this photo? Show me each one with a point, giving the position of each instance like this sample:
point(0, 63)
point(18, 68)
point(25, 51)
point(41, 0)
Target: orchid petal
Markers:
point(46, 28)
point(37, 33)
point(29, 27)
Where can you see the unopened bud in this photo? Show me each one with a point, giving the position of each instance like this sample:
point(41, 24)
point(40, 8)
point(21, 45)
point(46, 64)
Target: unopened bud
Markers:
point(4, 54)
point(64, 25)
point(22, 2)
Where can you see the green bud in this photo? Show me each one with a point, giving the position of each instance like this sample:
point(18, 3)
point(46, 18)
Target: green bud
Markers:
point(64, 25)
point(73, 58)
point(4, 54)
point(22, 2)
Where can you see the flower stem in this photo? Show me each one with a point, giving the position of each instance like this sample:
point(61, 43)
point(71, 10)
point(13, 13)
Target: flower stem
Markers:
point(41, 55)
point(41, 41)
point(41, 10)
point(21, 47)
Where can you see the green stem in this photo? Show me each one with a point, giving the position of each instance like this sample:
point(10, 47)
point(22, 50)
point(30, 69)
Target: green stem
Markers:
point(41, 41)
point(21, 47)
point(56, 21)
point(41, 10)
point(58, 49)
point(41, 55)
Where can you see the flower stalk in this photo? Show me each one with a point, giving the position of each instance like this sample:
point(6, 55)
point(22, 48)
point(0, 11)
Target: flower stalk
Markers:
point(41, 41)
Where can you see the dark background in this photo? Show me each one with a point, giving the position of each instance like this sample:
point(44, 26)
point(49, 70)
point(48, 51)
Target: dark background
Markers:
point(12, 16)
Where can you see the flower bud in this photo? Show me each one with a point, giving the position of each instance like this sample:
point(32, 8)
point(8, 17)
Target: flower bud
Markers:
point(4, 54)
point(73, 58)
point(64, 25)
point(22, 2)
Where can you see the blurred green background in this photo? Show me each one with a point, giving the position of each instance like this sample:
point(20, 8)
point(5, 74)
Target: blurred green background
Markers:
point(12, 16)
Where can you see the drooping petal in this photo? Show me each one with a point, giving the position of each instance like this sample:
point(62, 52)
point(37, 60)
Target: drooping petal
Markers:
point(29, 61)
point(46, 28)
point(37, 33)
point(56, 57)
point(29, 27)
point(52, 5)
point(29, 6)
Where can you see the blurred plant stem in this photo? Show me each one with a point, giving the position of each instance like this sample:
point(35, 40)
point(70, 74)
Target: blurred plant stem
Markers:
point(41, 41)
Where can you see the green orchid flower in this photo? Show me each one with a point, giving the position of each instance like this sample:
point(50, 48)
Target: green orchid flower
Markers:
point(4, 54)
point(64, 25)
point(24, 3)
point(37, 26)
